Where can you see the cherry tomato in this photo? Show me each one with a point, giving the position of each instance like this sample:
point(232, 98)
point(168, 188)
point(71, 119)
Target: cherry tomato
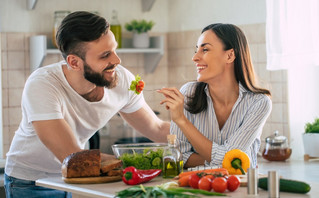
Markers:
point(193, 180)
point(219, 184)
point(233, 182)
point(211, 177)
point(205, 183)
point(140, 86)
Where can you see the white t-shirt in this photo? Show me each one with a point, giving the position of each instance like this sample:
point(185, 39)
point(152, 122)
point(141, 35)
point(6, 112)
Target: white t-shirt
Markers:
point(47, 95)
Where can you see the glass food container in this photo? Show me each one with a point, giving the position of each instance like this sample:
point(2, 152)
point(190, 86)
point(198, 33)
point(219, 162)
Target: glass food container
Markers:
point(277, 148)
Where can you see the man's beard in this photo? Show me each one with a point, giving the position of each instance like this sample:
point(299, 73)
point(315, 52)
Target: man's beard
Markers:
point(98, 78)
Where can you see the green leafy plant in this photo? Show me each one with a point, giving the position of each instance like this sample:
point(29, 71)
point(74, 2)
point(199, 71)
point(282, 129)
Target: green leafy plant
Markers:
point(139, 26)
point(312, 127)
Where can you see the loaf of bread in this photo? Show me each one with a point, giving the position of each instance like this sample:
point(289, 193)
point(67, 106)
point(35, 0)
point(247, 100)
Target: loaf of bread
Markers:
point(85, 163)
point(109, 165)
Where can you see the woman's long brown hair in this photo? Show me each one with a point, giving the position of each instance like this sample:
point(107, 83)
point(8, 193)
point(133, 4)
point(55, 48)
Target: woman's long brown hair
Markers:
point(232, 38)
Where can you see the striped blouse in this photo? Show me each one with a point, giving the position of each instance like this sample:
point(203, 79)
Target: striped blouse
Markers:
point(242, 130)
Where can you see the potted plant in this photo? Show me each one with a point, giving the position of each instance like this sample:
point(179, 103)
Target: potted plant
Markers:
point(140, 30)
point(311, 139)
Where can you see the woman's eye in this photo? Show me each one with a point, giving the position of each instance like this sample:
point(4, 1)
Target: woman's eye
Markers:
point(205, 50)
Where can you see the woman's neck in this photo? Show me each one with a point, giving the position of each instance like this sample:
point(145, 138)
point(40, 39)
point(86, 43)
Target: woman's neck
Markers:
point(224, 93)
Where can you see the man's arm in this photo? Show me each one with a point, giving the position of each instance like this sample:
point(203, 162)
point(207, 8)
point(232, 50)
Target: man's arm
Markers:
point(57, 136)
point(146, 122)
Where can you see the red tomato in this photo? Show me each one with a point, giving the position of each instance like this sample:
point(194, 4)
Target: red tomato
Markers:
point(233, 182)
point(193, 180)
point(219, 184)
point(140, 86)
point(211, 177)
point(205, 183)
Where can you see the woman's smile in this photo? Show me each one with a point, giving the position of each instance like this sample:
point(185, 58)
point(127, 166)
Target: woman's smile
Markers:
point(200, 67)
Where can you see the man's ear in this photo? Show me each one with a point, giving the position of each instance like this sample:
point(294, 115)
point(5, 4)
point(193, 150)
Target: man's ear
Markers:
point(74, 62)
point(230, 55)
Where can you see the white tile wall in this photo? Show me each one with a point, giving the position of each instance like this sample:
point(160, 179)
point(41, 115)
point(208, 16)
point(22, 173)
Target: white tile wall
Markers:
point(175, 69)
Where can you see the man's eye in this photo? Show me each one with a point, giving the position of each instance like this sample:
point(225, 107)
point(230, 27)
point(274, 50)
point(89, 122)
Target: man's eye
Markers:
point(106, 55)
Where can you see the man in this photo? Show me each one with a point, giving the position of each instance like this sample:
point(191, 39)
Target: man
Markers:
point(65, 103)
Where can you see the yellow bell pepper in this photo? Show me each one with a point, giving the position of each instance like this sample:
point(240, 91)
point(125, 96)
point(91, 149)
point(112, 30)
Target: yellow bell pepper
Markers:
point(236, 162)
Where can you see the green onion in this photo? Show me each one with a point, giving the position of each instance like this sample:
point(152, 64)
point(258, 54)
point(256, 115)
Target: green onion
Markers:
point(156, 191)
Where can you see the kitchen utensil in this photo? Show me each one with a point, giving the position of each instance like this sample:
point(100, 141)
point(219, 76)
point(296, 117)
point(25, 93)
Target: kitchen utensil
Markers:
point(252, 181)
point(273, 184)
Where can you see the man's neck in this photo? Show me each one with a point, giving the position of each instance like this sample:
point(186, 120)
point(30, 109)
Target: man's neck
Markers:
point(86, 89)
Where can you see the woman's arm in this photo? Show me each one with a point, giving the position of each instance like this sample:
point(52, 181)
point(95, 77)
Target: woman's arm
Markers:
point(247, 133)
point(194, 160)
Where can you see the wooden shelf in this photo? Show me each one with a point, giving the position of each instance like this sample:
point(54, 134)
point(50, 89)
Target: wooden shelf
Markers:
point(152, 55)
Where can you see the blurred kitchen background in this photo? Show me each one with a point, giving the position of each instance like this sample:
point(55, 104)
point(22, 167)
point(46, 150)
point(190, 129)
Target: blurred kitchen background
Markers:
point(179, 22)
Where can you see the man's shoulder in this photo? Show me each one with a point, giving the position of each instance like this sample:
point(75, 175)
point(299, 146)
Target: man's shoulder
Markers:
point(46, 75)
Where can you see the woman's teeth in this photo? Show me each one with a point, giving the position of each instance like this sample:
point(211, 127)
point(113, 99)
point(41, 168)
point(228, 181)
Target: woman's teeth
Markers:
point(199, 68)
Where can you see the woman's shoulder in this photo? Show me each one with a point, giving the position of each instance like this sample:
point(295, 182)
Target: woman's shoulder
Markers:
point(259, 99)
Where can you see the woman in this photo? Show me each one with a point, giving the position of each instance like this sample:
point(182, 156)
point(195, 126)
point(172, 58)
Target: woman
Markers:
point(224, 109)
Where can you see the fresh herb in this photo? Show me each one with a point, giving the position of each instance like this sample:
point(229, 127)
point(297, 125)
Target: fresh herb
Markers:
point(312, 127)
point(149, 159)
point(167, 190)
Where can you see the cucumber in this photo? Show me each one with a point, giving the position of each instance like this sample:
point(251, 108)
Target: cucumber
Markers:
point(286, 185)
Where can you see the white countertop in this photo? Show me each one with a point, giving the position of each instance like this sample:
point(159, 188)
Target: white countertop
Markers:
point(299, 170)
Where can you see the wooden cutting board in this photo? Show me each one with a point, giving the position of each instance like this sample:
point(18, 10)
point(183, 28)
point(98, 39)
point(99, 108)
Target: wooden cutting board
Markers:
point(92, 180)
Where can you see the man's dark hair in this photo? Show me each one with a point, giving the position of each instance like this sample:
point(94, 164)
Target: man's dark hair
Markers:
point(76, 29)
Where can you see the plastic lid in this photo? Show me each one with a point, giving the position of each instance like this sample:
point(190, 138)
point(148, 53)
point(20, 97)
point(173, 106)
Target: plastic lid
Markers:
point(276, 139)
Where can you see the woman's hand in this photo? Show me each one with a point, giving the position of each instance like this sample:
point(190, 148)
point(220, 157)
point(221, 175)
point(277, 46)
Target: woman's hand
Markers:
point(174, 101)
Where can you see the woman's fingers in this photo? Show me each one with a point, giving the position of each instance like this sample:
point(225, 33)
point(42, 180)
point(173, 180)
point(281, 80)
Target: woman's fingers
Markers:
point(172, 93)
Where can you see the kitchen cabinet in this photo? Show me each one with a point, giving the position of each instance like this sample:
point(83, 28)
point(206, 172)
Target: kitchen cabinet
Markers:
point(152, 55)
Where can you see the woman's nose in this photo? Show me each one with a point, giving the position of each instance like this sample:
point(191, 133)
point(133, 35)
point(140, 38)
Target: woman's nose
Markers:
point(195, 57)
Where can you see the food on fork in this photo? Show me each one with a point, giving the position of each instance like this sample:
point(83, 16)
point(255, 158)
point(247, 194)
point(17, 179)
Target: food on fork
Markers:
point(137, 85)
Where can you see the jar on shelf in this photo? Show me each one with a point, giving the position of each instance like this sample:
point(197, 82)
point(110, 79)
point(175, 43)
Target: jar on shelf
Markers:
point(277, 148)
point(58, 17)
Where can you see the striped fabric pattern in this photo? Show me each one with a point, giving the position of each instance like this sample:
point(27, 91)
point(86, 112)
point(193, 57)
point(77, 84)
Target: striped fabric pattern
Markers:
point(242, 130)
